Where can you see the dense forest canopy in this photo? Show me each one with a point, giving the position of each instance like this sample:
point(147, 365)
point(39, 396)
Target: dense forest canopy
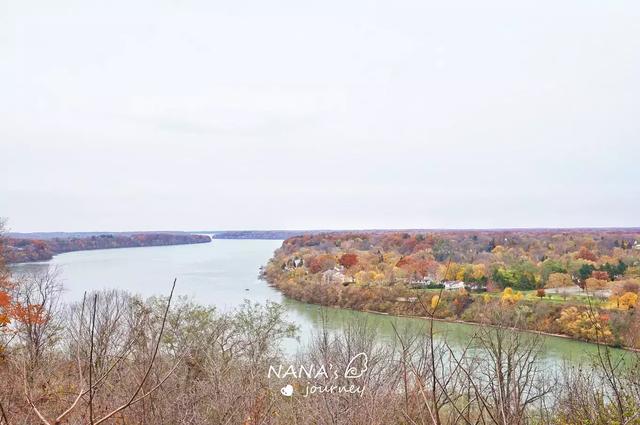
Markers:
point(521, 259)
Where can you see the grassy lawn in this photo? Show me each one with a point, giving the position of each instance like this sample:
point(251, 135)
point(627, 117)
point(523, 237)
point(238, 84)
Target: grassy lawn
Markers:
point(531, 296)
point(558, 299)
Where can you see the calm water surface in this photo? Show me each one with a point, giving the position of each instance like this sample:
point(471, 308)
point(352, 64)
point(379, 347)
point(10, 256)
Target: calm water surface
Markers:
point(224, 273)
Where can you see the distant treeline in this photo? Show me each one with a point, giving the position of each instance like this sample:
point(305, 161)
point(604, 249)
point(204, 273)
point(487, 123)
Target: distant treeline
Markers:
point(262, 234)
point(69, 235)
point(286, 234)
point(18, 250)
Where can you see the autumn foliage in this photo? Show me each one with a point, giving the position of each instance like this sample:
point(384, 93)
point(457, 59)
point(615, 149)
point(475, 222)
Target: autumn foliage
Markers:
point(586, 254)
point(600, 275)
point(5, 286)
point(536, 275)
point(348, 260)
point(11, 310)
point(5, 308)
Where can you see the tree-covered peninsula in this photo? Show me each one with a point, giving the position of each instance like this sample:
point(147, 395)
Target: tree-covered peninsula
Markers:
point(582, 283)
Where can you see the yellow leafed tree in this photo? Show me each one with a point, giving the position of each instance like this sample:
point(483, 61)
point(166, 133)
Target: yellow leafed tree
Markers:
point(559, 280)
point(624, 302)
point(479, 271)
point(509, 296)
point(586, 325)
point(435, 300)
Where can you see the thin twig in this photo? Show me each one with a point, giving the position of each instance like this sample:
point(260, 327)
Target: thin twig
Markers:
point(93, 326)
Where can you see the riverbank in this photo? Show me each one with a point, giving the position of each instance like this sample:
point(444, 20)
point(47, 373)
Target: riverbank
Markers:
point(462, 322)
point(571, 320)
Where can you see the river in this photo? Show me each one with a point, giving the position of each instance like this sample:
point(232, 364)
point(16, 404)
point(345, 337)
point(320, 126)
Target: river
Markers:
point(224, 273)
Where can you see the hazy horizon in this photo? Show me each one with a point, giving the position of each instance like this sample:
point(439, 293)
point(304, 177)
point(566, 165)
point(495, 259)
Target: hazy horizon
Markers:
point(195, 231)
point(334, 115)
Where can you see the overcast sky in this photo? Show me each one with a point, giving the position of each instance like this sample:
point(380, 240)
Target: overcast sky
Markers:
point(142, 115)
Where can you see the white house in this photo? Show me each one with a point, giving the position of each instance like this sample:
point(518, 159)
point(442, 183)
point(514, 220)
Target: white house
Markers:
point(453, 284)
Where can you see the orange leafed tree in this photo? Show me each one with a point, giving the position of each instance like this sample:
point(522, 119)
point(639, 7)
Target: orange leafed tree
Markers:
point(33, 314)
point(5, 308)
point(5, 285)
point(10, 309)
point(586, 254)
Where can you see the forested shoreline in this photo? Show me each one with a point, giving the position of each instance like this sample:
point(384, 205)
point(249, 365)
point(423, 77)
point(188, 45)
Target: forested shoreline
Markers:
point(19, 250)
point(583, 284)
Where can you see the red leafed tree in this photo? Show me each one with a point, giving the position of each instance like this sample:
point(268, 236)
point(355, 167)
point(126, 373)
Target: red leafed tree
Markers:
point(314, 265)
point(348, 260)
point(321, 263)
point(600, 275)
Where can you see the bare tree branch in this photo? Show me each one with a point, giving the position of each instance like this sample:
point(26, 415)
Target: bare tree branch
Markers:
point(133, 399)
